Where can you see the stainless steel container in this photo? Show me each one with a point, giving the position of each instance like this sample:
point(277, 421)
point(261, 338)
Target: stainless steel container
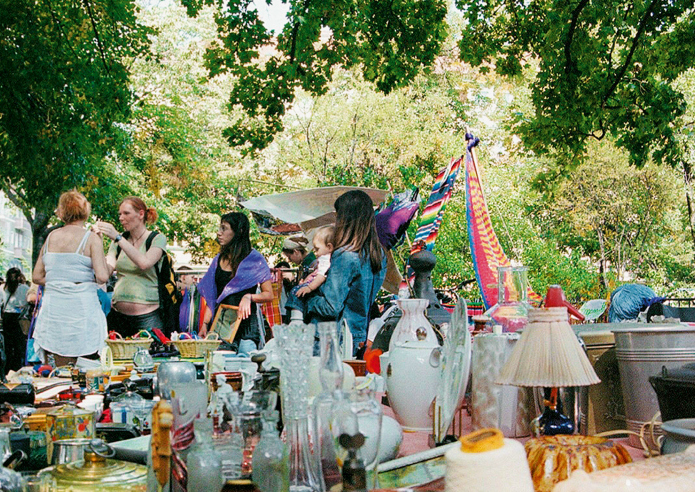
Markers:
point(69, 450)
point(508, 408)
point(601, 404)
point(642, 350)
point(171, 373)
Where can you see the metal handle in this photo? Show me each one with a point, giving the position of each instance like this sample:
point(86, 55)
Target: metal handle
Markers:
point(100, 448)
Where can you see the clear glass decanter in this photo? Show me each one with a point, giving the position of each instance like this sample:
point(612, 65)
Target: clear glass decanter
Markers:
point(511, 310)
point(331, 377)
point(271, 459)
point(204, 462)
point(294, 346)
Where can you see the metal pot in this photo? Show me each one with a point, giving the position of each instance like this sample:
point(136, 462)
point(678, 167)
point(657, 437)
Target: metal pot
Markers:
point(69, 450)
point(171, 373)
point(94, 472)
point(678, 435)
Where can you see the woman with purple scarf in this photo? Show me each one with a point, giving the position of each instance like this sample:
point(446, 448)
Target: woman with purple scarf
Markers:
point(233, 279)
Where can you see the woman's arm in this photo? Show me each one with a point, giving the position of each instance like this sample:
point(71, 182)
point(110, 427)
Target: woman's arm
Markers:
point(265, 295)
point(312, 286)
point(142, 261)
point(38, 275)
point(330, 300)
point(203, 330)
point(96, 253)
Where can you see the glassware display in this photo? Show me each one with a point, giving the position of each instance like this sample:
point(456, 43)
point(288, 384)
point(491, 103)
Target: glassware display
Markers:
point(331, 377)
point(294, 346)
point(249, 420)
point(511, 310)
point(204, 462)
point(271, 467)
point(455, 367)
point(412, 319)
point(360, 413)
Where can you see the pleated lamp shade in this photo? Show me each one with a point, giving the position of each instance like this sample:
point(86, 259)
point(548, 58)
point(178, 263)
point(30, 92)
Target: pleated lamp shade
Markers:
point(548, 354)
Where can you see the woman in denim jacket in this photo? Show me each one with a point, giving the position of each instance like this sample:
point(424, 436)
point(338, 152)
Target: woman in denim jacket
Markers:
point(358, 268)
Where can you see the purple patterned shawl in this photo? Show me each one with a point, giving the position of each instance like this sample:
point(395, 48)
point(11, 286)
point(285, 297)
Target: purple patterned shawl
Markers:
point(252, 270)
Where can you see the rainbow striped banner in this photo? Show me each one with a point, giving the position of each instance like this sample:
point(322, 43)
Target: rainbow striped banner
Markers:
point(431, 218)
point(486, 250)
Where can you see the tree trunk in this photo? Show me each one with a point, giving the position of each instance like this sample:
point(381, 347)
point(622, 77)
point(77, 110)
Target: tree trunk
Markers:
point(39, 230)
point(688, 178)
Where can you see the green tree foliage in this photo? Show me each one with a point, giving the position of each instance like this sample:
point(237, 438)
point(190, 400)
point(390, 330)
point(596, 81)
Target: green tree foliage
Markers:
point(624, 220)
point(605, 68)
point(391, 41)
point(173, 146)
point(64, 69)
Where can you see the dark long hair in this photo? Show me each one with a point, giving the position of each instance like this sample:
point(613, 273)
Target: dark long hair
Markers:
point(240, 246)
point(13, 278)
point(355, 227)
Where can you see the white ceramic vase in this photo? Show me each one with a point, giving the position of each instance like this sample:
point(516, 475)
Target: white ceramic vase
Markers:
point(413, 370)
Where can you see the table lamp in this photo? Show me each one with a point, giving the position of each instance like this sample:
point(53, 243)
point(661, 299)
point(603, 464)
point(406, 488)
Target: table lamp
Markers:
point(549, 355)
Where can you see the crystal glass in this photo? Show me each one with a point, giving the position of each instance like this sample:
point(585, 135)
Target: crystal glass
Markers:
point(204, 462)
point(271, 467)
point(331, 377)
point(249, 417)
point(294, 346)
point(456, 365)
point(511, 310)
point(360, 412)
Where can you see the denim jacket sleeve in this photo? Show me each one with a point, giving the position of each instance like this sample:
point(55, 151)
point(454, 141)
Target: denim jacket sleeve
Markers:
point(334, 291)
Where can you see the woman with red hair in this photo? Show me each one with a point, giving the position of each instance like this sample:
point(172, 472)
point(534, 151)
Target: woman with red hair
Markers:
point(71, 323)
point(135, 301)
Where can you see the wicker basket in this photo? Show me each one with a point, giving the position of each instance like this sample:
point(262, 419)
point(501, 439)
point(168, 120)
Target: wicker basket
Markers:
point(196, 349)
point(125, 349)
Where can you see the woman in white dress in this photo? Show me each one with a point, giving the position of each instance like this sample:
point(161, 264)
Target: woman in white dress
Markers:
point(71, 322)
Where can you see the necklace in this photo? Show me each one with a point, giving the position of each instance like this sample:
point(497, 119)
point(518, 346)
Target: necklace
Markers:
point(135, 240)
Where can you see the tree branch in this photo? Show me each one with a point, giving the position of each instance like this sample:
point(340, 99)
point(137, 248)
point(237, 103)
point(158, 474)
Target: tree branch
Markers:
point(569, 63)
point(628, 59)
point(88, 5)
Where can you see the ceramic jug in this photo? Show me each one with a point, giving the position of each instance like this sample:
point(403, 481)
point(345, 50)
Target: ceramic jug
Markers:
point(412, 318)
point(412, 376)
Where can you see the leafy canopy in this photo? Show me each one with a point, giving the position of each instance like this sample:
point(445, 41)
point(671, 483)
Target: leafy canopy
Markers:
point(391, 40)
point(64, 68)
point(605, 68)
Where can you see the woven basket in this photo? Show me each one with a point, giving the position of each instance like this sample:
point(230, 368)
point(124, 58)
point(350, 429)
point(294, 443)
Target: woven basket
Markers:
point(125, 349)
point(196, 349)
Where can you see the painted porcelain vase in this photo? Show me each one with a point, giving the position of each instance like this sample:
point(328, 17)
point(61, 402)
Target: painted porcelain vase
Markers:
point(413, 369)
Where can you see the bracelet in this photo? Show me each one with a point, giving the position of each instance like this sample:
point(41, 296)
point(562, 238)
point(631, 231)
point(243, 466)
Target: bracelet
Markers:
point(117, 238)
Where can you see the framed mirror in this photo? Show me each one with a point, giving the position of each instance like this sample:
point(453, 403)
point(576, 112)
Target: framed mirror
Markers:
point(226, 322)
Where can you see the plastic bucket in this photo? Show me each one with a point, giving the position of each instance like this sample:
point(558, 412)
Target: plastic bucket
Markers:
point(642, 350)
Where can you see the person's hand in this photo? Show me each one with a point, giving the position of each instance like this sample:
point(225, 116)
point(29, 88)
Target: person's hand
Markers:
point(203, 330)
point(95, 229)
point(245, 307)
point(303, 291)
point(107, 229)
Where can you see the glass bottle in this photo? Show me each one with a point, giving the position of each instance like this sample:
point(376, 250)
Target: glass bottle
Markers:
point(204, 463)
point(271, 459)
point(331, 377)
point(511, 310)
point(294, 347)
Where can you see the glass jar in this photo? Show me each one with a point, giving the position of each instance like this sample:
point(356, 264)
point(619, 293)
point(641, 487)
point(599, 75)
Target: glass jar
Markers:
point(204, 462)
point(511, 310)
point(271, 459)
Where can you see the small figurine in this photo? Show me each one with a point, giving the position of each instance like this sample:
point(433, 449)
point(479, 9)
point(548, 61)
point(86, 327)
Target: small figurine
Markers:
point(162, 420)
point(223, 402)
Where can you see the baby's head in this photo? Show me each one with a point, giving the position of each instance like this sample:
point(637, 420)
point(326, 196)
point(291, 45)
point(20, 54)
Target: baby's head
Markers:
point(323, 240)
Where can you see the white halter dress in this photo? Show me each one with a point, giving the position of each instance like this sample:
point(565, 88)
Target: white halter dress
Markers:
point(71, 322)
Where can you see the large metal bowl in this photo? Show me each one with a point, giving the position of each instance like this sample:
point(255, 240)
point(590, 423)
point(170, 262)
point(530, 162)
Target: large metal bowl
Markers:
point(678, 435)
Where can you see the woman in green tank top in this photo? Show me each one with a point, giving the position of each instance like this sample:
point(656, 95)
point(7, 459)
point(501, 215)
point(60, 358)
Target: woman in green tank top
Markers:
point(135, 302)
